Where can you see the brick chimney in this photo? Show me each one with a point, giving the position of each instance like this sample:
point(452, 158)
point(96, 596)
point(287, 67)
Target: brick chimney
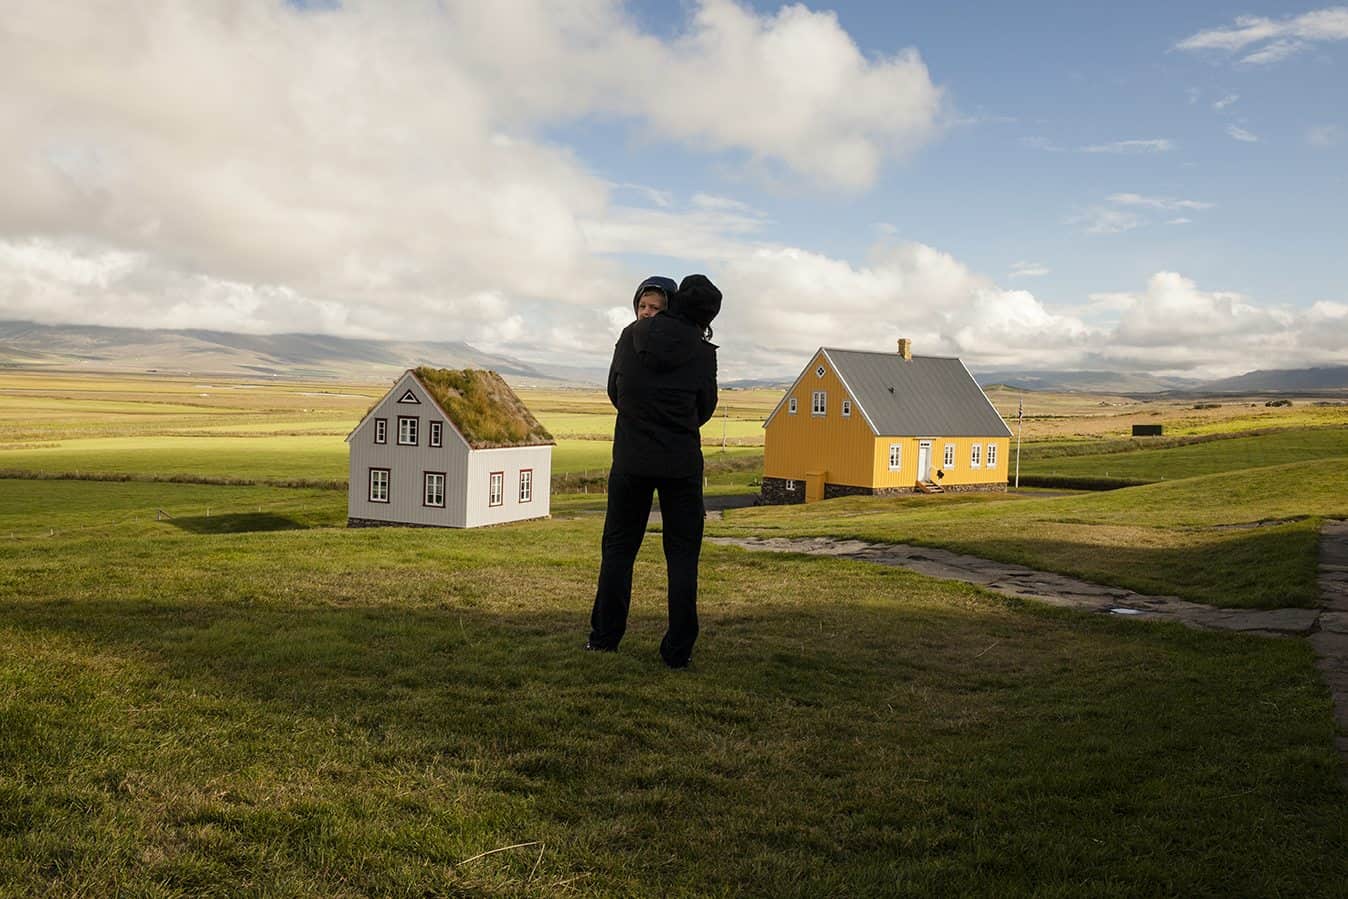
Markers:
point(905, 348)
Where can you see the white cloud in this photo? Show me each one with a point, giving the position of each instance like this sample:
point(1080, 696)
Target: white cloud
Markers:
point(371, 168)
point(1127, 211)
point(1324, 135)
point(1040, 143)
point(1107, 220)
point(1225, 102)
point(1153, 145)
point(788, 89)
point(1276, 40)
point(382, 170)
point(1130, 199)
point(1240, 134)
point(1274, 52)
point(1028, 270)
point(782, 302)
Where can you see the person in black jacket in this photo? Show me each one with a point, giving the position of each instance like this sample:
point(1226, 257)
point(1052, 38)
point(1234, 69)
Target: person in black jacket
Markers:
point(663, 384)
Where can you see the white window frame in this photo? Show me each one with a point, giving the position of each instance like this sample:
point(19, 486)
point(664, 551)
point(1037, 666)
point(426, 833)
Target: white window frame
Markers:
point(496, 488)
point(376, 494)
point(949, 461)
point(407, 436)
point(526, 485)
point(992, 455)
point(430, 481)
point(791, 406)
point(895, 456)
point(846, 408)
point(790, 485)
point(976, 455)
point(437, 433)
point(819, 402)
point(381, 430)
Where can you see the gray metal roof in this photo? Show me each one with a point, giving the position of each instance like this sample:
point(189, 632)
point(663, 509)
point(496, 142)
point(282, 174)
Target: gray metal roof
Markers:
point(932, 396)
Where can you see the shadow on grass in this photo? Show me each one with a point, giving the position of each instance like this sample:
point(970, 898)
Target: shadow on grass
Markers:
point(848, 747)
point(1262, 568)
point(237, 523)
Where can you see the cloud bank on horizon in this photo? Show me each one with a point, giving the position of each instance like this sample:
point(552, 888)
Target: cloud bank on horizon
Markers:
point(381, 170)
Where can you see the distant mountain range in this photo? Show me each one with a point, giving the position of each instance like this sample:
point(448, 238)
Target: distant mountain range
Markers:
point(1087, 381)
point(1299, 379)
point(28, 345)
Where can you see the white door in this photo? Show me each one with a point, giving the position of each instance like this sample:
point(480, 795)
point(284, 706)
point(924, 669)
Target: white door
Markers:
point(924, 461)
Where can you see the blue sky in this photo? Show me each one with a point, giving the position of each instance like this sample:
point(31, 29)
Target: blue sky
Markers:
point(1057, 185)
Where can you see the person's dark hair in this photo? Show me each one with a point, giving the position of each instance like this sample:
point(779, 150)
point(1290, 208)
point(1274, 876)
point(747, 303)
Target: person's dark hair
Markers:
point(698, 301)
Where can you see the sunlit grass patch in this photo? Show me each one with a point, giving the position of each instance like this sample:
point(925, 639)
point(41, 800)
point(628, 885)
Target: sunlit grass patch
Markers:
point(330, 711)
point(1238, 539)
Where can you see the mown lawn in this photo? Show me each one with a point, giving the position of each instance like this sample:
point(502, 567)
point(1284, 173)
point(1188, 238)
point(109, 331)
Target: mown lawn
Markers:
point(1173, 463)
point(321, 711)
point(1242, 539)
point(274, 457)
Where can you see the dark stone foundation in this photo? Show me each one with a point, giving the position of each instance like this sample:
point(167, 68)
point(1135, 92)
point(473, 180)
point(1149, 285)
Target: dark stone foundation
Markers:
point(775, 493)
point(994, 487)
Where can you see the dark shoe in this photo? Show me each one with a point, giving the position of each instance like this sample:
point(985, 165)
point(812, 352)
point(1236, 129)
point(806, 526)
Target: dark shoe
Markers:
point(672, 664)
point(590, 647)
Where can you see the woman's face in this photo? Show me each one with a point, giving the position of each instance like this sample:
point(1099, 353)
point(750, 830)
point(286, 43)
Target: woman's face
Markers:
point(652, 302)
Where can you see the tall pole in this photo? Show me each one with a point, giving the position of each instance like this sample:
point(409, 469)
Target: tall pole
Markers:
point(1020, 427)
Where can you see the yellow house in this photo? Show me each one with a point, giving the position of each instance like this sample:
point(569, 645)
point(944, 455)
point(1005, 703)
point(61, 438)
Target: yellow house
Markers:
point(859, 422)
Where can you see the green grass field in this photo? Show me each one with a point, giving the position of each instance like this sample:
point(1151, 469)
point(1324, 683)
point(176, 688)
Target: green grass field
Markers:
point(274, 431)
point(1173, 463)
point(1240, 539)
point(222, 690)
point(255, 702)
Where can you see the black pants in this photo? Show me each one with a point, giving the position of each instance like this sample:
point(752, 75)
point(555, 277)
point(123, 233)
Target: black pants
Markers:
point(629, 507)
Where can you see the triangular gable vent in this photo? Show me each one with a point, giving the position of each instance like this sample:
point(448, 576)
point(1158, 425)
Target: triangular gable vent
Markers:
point(409, 397)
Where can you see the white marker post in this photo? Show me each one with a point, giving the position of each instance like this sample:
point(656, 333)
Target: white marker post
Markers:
point(1020, 426)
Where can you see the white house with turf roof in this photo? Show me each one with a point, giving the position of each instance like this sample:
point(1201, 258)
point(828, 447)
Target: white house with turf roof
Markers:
point(448, 448)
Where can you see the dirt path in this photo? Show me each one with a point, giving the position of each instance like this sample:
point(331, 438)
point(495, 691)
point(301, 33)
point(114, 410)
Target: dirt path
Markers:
point(1326, 627)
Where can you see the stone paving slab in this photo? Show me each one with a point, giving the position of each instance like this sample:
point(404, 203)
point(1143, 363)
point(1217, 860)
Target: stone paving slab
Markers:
point(1326, 627)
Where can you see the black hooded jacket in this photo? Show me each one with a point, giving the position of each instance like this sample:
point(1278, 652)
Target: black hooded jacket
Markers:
point(663, 384)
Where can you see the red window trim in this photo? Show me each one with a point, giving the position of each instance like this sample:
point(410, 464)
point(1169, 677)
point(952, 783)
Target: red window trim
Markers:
point(377, 423)
point(369, 485)
point(491, 475)
point(531, 485)
point(444, 485)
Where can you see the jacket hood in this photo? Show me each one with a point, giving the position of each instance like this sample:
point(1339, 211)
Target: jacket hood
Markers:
point(697, 300)
point(665, 342)
point(660, 283)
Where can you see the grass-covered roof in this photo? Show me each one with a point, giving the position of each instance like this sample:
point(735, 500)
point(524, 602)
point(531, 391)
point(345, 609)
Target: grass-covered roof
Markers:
point(483, 408)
